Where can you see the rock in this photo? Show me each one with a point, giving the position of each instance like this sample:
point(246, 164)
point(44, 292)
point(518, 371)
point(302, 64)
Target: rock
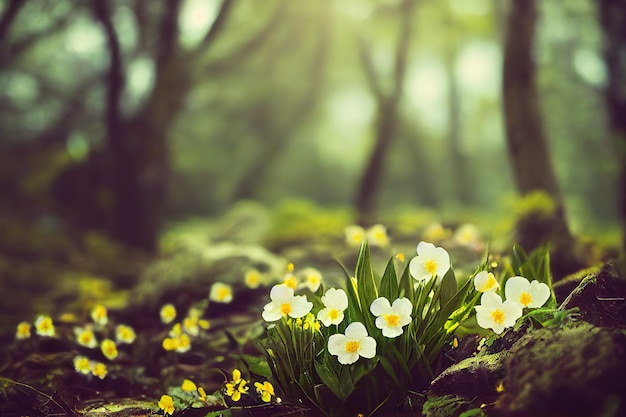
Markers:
point(600, 298)
point(573, 370)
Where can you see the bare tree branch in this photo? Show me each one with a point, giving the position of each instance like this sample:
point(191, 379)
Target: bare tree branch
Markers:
point(22, 45)
point(252, 43)
point(9, 15)
point(168, 34)
point(216, 28)
point(371, 75)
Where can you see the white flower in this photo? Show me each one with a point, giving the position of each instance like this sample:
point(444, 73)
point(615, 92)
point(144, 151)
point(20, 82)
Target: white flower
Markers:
point(526, 294)
point(392, 317)
point(467, 235)
point(221, 293)
point(430, 261)
point(335, 302)
point(377, 235)
point(485, 281)
point(284, 303)
point(312, 278)
point(355, 235)
point(353, 344)
point(492, 313)
point(253, 278)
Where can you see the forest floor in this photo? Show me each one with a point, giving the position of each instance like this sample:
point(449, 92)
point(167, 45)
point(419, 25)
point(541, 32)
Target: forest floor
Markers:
point(47, 270)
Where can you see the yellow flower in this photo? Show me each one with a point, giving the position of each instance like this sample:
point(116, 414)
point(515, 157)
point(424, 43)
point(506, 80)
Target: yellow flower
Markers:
point(401, 257)
point(190, 325)
point(202, 394)
point(124, 334)
point(290, 280)
point(99, 315)
point(253, 278)
point(176, 330)
point(221, 293)
point(183, 343)
point(188, 385)
point(168, 313)
point(109, 349)
point(44, 326)
point(265, 390)
point(85, 337)
point(237, 386)
point(82, 364)
point(23, 330)
point(99, 369)
point(169, 344)
point(166, 404)
point(204, 324)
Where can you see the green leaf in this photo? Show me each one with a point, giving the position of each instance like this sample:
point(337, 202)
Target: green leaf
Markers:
point(406, 284)
point(257, 365)
point(448, 287)
point(388, 367)
point(389, 283)
point(330, 378)
point(366, 284)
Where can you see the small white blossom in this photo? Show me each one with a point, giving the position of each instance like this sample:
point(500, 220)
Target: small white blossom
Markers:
point(355, 235)
point(354, 343)
point(390, 318)
point(493, 314)
point(526, 294)
point(430, 261)
point(335, 302)
point(377, 235)
point(284, 303)
point(485, 281)
point(311, 278)
point(221, 293)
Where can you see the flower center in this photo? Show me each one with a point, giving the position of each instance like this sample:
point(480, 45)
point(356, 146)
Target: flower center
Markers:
point(285, 308)
point(291, 282)
point(333, 314)
point(222, 293)
point(391, 319)
point(352, 346)
point(525, 299)
point(497, 316)
point(431, 266)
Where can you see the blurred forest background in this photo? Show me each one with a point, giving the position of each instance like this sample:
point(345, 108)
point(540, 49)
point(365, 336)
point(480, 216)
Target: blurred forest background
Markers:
point(123, 119)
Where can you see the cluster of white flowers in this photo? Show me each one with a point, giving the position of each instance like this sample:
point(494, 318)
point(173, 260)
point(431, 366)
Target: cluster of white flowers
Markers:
point(493, 313)
point(391, 317)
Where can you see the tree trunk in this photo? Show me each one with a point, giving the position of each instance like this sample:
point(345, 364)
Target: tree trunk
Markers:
point(612, 17)
point(388, 104)
point(460, 191)
point(528, 147)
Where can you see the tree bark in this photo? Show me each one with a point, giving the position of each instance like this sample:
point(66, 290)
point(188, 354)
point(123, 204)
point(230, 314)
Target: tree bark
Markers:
point(612, 19)
point(529, 153)
point(528, 148)
point(388, 103)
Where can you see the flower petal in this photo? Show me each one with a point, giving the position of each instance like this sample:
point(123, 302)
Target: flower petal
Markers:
point(380, 306)
point(368, 347)
point(281, 293)
point(539, 292)
point(356, 331)
point(515, 286)
point(337, 344)
point(402, 306)
point(425, 248)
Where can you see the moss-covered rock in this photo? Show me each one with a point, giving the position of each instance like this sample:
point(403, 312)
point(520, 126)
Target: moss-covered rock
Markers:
point(574, 370)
